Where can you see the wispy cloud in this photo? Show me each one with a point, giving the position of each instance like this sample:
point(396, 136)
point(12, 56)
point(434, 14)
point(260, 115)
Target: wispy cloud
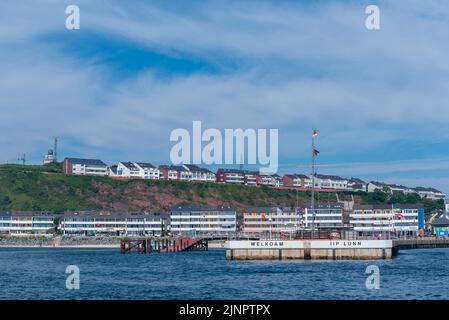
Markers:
point(379, 98)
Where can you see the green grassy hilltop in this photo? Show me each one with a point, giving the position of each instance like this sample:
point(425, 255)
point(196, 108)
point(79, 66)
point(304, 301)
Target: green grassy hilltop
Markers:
point(35, 187)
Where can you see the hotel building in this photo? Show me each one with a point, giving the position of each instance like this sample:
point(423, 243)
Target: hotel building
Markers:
point(265, 220)
point(326, 216)
point(18, 223)
point(95, 223)
point(400, 220)
point(202, 220)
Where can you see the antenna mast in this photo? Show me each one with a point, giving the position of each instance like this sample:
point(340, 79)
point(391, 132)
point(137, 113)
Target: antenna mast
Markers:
point(22, 158)
point(55, 148)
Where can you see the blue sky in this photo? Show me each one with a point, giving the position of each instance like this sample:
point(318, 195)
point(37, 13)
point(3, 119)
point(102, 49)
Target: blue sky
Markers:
point(117, 87)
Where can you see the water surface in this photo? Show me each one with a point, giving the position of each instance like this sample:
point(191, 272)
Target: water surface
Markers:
point(39, 273)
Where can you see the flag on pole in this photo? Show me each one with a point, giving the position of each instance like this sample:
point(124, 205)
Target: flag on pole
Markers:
point(398, 215)
point(315, 132)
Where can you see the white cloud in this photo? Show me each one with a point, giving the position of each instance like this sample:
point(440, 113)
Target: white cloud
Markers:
point(285, 66)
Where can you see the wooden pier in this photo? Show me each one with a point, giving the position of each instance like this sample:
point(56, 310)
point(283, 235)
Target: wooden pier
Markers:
point(160, 245)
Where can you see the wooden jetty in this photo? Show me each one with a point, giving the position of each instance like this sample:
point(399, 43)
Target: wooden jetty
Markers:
point(160, 245)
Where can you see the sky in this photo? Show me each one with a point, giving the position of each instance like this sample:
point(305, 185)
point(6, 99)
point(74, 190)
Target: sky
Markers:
point(136, 70)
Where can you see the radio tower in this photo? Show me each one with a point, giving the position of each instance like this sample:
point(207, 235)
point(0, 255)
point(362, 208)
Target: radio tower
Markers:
point(55, 148)
point(22, 158)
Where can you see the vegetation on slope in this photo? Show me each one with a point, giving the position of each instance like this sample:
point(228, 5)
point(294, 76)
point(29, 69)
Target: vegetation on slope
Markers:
point(45, 188)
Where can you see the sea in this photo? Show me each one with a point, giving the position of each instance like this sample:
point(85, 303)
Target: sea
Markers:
point(52, 273)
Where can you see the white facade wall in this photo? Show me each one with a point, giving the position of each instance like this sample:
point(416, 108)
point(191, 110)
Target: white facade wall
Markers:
point(206, 221)
point(25, 225)
point(331, 184)
point(324, 218)
point(94, 226)
point(385, 220)
point(271, 220)
point(82, 169)
point(147, 172)
point(236, 178)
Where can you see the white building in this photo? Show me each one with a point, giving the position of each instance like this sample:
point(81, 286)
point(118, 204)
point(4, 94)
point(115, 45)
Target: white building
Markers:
point(231, 176)
point(78, 166)
point(387, 219)
point(49, 157)
point(356, 184)
point(126, 169)
point(201, 220)
point(94, 223)
point(272, 219)
point(18, 223)
point(251, 178)
point(200, 174)
point(297, 181)
point(326, 216)
point(429, 193)
point(147, 170)
point(112, 171)
point(272, 180)
point(175, 173)
point(375, 185)
point(323, 181)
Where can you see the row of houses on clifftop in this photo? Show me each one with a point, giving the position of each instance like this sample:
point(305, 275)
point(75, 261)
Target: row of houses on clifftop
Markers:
point(189, 172)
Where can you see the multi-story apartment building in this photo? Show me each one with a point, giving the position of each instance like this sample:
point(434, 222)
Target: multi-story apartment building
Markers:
point(231, 176)
point(323, 217)
point(272, 180)
point(147, 170)
point(201, 220)
point(297, 181)
point(323, 181)
point(376, 185)
point(401, 220)
point(200, 174)
point(175, 173)
point(24, 223)
point(356, 184)
point(126, 169)
point(272, 219)
point(78, 166)
point(237, 176)
point(429, 193)
point(252, 178)
point(96, 223)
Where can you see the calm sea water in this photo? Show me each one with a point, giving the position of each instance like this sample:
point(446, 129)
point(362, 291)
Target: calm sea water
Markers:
point(107, 274)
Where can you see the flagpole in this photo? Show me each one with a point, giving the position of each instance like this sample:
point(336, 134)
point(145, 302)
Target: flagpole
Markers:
point(313, 182)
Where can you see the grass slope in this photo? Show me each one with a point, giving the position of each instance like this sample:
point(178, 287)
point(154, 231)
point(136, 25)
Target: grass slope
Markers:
point(45, 188)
